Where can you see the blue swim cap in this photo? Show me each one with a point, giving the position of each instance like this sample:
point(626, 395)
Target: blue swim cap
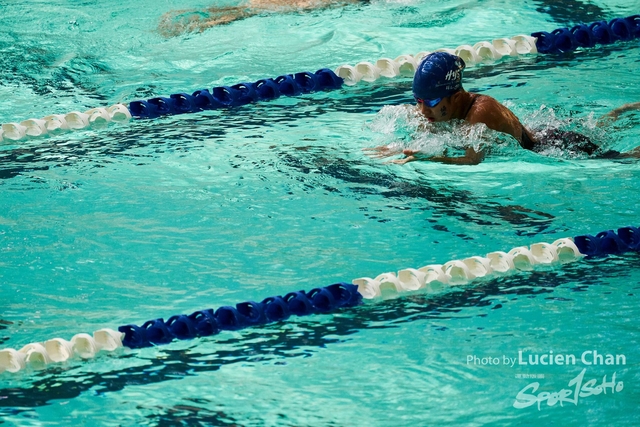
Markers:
point(439, 75)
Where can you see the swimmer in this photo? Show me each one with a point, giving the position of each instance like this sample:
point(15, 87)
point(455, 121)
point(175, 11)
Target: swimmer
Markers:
point(440, 97)
point(178, 22)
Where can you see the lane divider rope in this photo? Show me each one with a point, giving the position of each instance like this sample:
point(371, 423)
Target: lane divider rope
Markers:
point(557, 41)
point(338, 296)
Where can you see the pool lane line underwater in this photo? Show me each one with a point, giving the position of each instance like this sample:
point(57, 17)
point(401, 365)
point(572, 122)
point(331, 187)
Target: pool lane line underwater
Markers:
point(557, 41)
point(432, 278)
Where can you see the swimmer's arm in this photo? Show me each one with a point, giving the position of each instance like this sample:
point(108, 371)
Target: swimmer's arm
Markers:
point(471, 157)
point(613, 114)
point(172, 24)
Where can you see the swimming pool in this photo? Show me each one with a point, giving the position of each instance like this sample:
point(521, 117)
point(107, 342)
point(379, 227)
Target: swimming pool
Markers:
point(152, 218)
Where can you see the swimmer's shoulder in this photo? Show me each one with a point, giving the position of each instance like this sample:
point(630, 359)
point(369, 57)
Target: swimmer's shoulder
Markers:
point(483, 108)
point(488, 110)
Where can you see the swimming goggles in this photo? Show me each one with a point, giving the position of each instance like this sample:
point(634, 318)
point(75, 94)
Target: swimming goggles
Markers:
point(429, 102)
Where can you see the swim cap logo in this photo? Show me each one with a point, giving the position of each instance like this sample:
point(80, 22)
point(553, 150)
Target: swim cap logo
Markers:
point(453, 75)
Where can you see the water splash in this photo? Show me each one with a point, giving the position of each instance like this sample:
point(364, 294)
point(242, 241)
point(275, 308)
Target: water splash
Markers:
point(402, 127)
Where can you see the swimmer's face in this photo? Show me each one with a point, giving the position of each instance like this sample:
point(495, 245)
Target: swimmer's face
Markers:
point(435, 111)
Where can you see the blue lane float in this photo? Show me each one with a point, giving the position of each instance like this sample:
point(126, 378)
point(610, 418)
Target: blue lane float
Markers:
point(605, 243)
point(208, 322)
point(237, 95)
point(600, 32)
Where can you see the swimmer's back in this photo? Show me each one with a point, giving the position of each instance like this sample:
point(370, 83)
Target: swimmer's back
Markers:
point(569, 141)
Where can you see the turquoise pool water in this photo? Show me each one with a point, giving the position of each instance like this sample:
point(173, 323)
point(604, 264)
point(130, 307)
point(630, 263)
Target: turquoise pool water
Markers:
point(105, 227)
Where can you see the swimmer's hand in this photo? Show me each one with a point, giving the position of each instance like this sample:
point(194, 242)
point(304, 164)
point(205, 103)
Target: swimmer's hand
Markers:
point(382, 151)
point(385, 151)
point(410, 156)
